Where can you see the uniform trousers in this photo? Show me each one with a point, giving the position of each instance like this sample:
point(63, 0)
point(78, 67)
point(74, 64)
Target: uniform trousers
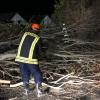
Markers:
point(30, 69)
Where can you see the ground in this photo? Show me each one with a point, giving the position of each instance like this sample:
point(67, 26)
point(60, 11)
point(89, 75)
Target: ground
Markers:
point(74, 89)
point(72, 68)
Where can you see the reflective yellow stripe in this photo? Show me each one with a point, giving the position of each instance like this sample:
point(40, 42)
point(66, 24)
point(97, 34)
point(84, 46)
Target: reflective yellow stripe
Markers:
point(33, 47)
point(26, 58)
point(32, 61)
point(31, 34)
point(20, 45)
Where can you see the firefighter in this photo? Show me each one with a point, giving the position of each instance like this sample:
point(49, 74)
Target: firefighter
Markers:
point(27, 58)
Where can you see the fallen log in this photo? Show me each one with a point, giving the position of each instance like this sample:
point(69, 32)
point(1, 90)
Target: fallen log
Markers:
point(5, 81)
point(16, 85)
point(31, 81)
point(6, 56)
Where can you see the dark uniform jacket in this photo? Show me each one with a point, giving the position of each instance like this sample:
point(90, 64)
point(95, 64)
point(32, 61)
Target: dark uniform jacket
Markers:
point(28, 50)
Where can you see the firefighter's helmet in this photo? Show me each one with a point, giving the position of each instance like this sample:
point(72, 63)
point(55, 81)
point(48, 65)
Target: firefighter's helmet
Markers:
point(35, 26)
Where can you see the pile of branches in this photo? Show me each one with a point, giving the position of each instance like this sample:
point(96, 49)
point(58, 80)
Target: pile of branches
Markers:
point(61, 54)
point(64, 61)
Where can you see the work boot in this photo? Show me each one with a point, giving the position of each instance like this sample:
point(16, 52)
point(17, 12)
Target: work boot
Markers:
point(40, 91)
point(26, 92)
point(26, 88)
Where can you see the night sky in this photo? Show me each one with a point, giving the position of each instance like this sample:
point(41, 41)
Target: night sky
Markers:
point(28, 8)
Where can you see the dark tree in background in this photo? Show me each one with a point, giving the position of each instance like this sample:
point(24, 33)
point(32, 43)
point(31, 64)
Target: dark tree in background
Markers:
point(82, 16)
